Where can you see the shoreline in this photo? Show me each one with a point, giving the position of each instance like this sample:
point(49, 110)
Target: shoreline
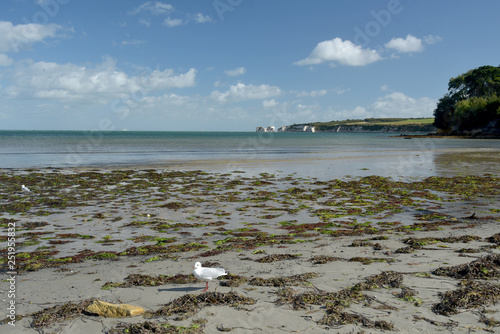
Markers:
point(435, 135)
point(81, 234)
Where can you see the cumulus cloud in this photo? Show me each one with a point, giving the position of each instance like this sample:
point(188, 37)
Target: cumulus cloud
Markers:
point(313, 93)
point(153, 7)
point(408, 44)
point(269, 103)
point(236, 72)
point(170, 22)
point(104, 81)
point(15, 37)
point(340, 52)
point(5, 60)
point(160, 8)
point(240, 91)
point(355, 113)
point(398, 104)
point(432, 39)
point(200, 18)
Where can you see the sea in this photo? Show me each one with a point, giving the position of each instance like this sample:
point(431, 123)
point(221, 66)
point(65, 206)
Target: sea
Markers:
point(323, 155)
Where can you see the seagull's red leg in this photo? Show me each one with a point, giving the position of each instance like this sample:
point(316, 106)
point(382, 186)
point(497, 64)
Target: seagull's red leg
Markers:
point(206, 287)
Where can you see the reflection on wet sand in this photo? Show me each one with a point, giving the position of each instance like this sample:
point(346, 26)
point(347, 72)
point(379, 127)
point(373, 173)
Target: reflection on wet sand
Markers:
point(478, 162)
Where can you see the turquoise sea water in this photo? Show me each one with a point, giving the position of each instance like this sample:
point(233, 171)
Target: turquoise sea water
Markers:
point(345, 152)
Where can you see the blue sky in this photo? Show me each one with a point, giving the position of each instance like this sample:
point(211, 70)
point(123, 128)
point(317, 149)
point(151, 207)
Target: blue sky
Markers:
point(222, 65)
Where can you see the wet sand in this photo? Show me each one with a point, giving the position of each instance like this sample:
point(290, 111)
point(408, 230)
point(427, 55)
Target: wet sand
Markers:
point(357, 253)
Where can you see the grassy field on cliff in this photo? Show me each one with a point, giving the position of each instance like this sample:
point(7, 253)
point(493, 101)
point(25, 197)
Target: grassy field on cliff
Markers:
point(419, 124)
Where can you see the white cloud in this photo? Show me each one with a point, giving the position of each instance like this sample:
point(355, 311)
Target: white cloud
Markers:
point(170, 22)
point(399, 105)
point(153, 7)
point(200, 18)
point(341, 52)
point(15, 37)
point(432, 39)
point(145, 22)
point(408, 44)
point(269, 103)
point(5, 60)
point(241, 91)
point(101, 82)
point(395, 104)
point(356, 113)
point(341, 91)
point(384, 88)
point(236, 72)
point(313, 93)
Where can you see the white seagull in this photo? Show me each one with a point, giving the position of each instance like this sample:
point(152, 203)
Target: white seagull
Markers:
point(207, 274)
point(25, 189)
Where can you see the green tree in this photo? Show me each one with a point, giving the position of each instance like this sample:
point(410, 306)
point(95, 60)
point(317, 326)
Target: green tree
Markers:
point(476, 112)
point(480, 82)
point(443, 114)
point(472, 100)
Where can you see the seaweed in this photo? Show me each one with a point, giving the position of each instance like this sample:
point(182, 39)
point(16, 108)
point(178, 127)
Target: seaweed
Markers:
point(172, 205)
point(157, 328)
point(33, 225)
point(495, 238)
point(59, 313)
point(283, 281)
point(188, 305)
point(386, 279)
point(148, 280)
point(232, 280)
point(470, 295)
point(277, 257)
point(300, 301)
point(336, 317)
point(370, 260)
point(322, 259)
point(409, 295)
point(483, 268)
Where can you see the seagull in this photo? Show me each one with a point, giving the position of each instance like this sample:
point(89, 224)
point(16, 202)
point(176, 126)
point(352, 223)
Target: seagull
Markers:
point(207, 274)
point(25, 189)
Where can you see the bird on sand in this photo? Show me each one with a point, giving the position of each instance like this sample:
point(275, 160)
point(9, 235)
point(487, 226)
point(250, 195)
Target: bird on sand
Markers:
point(25, 189)
point(207, 274)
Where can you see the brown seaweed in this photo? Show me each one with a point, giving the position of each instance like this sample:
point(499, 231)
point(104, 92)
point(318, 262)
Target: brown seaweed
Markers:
point(470, 295)
point(482, 268)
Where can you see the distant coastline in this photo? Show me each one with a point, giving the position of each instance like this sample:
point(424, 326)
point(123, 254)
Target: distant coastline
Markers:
point(382, 125)
point(404, 127)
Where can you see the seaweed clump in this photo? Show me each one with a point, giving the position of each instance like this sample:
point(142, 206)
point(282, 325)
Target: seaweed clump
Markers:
point(157, 328)
point(188, 305)
point(482, 268)
point(495, 238)
point(386, 279)
point(282, 281)
point(322, 259)
point(470, 295)
point(59, 313)
point(236, 280)
point(335, 303)
point(277, 257)
point(335, 316)
point(148, 280)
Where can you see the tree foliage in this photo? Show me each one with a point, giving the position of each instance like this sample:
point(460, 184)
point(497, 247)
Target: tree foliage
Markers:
point(472, 100)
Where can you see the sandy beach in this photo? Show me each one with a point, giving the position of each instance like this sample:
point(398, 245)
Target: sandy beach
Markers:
point(360, 254)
